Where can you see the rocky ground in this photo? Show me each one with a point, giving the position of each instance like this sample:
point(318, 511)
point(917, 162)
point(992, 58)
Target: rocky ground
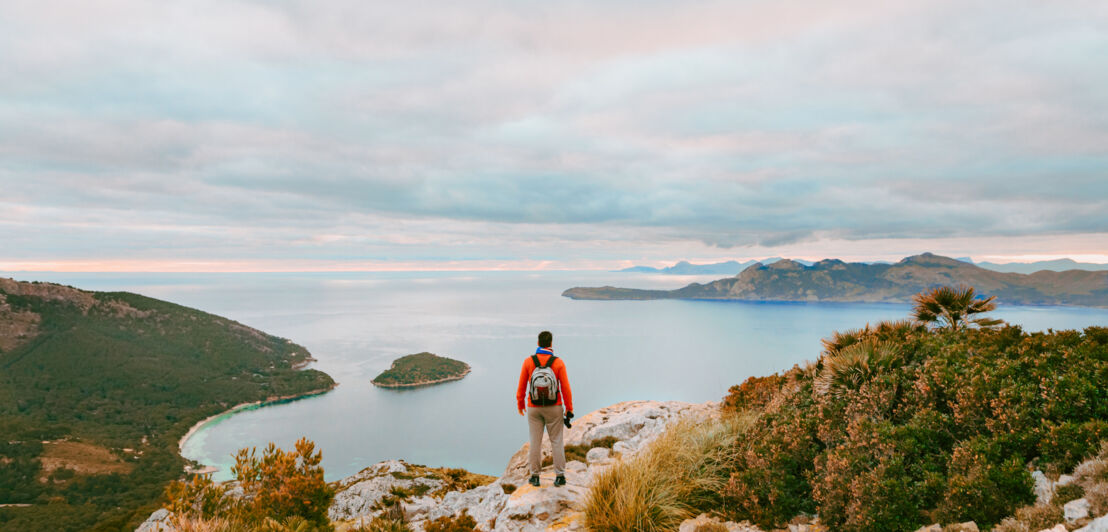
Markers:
point(509, 503)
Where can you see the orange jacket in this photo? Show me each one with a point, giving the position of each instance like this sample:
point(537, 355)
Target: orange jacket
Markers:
point(559, 367)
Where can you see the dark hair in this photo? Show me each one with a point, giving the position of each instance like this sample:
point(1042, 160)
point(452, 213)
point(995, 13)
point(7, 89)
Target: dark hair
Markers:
point(545, 339)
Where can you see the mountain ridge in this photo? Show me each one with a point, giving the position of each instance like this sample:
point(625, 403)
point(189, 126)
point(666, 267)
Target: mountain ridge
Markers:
point(733, 267)
point(835, 280)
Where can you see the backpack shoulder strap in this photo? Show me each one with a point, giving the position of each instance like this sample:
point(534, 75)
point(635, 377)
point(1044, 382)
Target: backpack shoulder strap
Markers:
point(549, 361)
point(535, 361)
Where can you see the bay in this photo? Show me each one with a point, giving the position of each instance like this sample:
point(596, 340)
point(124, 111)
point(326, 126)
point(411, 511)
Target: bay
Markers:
point(355, 324)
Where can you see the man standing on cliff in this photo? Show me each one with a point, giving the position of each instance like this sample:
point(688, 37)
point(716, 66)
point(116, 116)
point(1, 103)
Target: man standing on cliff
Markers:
point(542, 392)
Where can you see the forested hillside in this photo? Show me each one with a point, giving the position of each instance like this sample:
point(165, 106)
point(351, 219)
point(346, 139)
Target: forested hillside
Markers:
point(111, 381)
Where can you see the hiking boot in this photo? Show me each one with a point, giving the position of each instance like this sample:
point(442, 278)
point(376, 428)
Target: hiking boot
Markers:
point(559, 480)
point(534, 480)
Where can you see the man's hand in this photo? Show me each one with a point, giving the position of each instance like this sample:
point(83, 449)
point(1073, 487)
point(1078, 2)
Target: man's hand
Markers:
point(522, 412)
point(569, 416)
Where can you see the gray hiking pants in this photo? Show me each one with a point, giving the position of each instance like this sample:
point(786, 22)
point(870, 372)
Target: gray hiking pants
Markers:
point(551, 418)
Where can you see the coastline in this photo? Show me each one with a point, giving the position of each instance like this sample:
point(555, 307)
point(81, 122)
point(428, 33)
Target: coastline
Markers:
point(426, 383)
point(243, 406)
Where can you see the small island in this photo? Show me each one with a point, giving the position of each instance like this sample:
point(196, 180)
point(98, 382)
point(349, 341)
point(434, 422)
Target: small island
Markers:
point(421, 369)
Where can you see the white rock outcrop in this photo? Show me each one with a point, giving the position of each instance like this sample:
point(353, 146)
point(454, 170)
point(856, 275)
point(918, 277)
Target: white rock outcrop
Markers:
point(526, 508)
point(692, 525)
point(597, 455)
point(1075, 510)
point(159, 521)
point(1099, 524)
point(362, 494)
point(1044, 488)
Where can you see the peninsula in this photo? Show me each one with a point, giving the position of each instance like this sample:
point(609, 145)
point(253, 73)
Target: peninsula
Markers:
point(421, 369)
point(835, 280)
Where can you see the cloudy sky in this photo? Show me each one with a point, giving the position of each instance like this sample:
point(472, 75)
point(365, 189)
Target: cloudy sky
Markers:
point(285, 135)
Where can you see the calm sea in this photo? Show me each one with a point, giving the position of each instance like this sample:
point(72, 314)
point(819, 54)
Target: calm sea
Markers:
point(357, 323)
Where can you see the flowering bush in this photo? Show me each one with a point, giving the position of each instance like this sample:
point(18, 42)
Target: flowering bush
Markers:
point(277, 486)
point(898, 426)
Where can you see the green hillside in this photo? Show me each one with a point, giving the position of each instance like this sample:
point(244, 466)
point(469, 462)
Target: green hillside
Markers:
point(420, 369)
point(105, 372)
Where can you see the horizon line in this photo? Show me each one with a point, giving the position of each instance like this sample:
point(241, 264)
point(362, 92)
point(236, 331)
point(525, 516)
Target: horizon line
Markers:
point(476, 265)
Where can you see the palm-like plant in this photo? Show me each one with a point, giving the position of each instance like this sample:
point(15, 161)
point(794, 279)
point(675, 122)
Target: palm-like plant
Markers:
point(848, 368)
point(840, 340)
point(953, 307)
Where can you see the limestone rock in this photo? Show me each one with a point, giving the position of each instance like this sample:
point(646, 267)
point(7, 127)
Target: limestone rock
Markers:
point(574, 466)
point(159, 521)
point(1065, 480)
point(1099, 524)
point(1044, 488)
point(622, 447)
point(692, 525)
point(597, 454)
point(361, 495)
point(1057, 528)
point(930, 528)
point(547, 507)
point(633, 422)
point(484, 505)
point(1076, 509)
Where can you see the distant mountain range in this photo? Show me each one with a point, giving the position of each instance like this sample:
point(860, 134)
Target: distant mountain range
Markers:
point(684, 267)
point(1059, 265)
point(732, 267)
point(835, 280)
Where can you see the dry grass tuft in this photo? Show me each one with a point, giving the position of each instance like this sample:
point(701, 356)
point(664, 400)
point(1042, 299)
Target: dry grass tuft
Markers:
point(1031, 519)
point(1098, 499)
point(712, 527)
point(194, 524)
point(382, 524)
point(1011, 524)
point(678, 474)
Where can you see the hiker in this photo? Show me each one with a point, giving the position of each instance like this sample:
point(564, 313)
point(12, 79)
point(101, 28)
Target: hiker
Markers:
point(545, 387)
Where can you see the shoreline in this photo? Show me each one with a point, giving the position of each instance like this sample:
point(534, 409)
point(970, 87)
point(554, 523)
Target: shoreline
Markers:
point(426, 383)
point(242, 406)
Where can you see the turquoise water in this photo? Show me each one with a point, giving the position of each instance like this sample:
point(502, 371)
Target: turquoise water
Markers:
point(356, 324)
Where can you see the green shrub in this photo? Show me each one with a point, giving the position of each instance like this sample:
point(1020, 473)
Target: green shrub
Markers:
point(982, 490)
point(754, 392)
point(278, 487)
point(1067, 493)
point(898, 426)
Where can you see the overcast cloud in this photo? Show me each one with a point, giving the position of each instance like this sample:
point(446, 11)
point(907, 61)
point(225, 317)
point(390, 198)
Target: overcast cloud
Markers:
point(548, 134)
